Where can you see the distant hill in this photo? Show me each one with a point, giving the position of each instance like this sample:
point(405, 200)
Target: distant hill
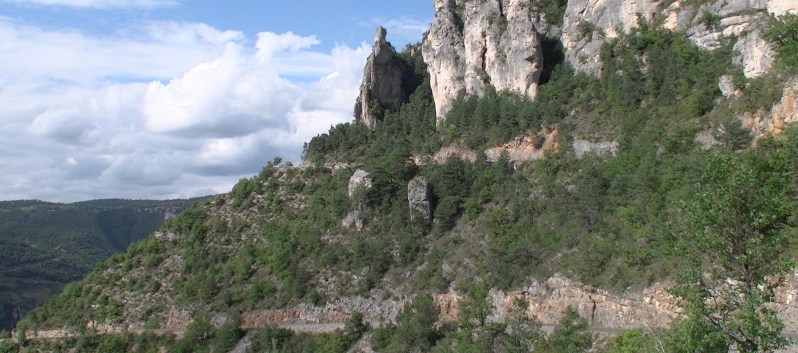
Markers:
point(467, 216)
point(45, 245)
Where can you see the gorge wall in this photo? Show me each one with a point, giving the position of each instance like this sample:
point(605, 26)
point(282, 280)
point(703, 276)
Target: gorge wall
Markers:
point(588, 23)
point(474, 43)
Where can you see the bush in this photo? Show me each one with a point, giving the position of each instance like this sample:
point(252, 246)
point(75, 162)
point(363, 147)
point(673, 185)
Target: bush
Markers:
point(633, 341)
point(414, 331)
point(196, 338)
point(783, 33)
point(570, 336)
point(114, 344)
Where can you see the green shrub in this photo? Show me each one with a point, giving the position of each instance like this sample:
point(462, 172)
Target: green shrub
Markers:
point(783, 33)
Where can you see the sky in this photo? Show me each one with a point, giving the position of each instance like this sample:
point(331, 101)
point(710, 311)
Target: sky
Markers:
point(163, 99)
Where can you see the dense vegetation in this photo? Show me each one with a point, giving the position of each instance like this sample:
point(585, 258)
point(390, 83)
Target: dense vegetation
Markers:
point(617, 221)
point(44, 246)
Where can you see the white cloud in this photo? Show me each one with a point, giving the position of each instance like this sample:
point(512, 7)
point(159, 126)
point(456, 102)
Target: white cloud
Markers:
point(230, 96)
point(100, 4)
point(159, 50)
point(167, 110)
point(65, 125)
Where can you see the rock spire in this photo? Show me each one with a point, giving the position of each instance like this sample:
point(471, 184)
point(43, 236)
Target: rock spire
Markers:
point(382, 81)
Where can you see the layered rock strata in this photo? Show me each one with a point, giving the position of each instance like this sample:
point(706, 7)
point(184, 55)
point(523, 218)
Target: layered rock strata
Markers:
point(382, 80)
point(471, 44)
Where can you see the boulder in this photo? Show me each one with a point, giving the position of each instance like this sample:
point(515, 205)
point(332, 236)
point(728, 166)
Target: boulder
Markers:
point(419, 197)
point(727, 88)
point(355, 218)
point(382, 80)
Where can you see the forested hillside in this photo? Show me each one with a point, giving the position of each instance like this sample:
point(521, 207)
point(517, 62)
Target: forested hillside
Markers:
point(692, 194)
point(44, 245)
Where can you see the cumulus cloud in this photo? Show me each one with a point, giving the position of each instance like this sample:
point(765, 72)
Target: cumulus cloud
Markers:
point(166, 110)
point(100, 4)
point(66, 125)
point(230, 96)
point(158, 50)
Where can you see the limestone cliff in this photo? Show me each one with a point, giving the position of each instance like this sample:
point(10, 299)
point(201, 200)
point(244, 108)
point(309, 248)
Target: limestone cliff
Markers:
point(382, 80)
point(474, 43)
point(588, 23)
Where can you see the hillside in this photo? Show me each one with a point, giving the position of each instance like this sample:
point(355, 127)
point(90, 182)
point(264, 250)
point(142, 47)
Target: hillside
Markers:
point(500, 176)
point(44, 245)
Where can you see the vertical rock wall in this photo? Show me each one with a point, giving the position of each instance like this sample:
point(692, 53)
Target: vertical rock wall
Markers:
point(382, 80)
point(474, 43)
point(589, 23)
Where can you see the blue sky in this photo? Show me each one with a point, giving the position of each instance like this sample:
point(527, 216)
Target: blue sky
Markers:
point(175, 98)
point(342, 22)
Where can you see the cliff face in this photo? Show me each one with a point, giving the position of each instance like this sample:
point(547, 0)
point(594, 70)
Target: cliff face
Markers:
point(588, 23)
point(474, 43)
point(382, 80)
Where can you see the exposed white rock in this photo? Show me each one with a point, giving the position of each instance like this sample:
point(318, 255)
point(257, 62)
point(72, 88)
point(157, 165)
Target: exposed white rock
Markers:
point(781, 7)
point(727, 88)
point(419, 198)
point(756, 56)
point(382, 80)
point(355, 218)
point(358, 179)
point(443, 52)
point(474, 43)
point(588, 23)
point(774, 121)
point(602, 148)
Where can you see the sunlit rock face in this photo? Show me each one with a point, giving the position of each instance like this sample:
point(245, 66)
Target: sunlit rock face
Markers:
point(471, 44)
point(589, 23)
point(382, 80)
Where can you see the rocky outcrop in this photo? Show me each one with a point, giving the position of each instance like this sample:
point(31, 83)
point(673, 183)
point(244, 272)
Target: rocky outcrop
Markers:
point(546, 301)
point(727, 87)
point(419, 198)
point(525, 148)
point(382, 80)
point(356, 218)
point(589, 23)
point(781, 7)
point(773, 122)
point(581, 147)
point(474, 43)
point(374, 311)
point(358, 179)
point(653, 307)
